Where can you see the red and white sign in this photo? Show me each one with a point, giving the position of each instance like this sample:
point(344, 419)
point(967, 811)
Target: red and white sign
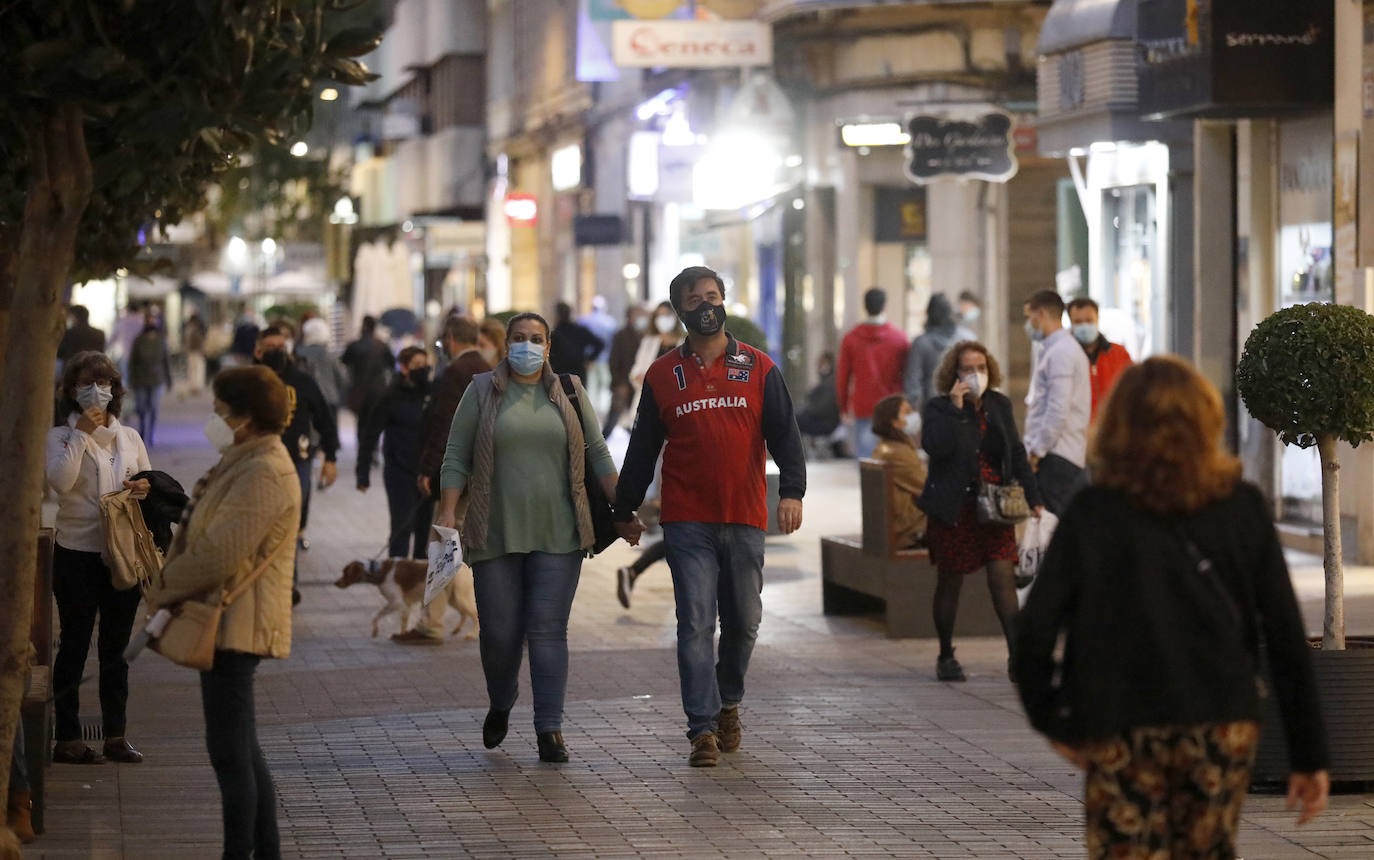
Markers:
point(691, 44)
point(521, 208)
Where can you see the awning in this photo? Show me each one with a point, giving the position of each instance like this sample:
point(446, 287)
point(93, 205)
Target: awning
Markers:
point(1087, 80)
point(1075, 23)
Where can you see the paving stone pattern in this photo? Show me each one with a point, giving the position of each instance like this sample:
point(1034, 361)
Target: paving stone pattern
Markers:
point(851, 748)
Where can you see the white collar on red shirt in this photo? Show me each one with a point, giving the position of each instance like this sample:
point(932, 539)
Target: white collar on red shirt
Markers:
point(732, 346)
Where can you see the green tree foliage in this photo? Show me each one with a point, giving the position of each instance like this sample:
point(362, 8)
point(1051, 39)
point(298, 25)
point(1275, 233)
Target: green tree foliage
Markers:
point(1308, 372)
point(171, 93)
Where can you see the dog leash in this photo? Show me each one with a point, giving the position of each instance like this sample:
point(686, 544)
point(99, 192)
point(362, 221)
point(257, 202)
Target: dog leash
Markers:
point(407, 526)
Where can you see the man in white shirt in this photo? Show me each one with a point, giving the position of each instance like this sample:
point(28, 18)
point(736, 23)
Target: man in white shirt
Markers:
point(1057, 421)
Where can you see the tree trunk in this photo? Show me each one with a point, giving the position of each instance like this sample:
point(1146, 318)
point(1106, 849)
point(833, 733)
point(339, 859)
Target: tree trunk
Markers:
point(1333, 625)
point(31, 307)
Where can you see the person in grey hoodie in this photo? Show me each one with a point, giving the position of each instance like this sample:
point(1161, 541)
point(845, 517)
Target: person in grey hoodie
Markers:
point(327, 371)
point(942, 331)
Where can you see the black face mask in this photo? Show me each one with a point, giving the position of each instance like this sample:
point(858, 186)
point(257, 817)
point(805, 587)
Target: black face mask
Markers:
point(418, 376)
point(275, 360)
point(706, 320)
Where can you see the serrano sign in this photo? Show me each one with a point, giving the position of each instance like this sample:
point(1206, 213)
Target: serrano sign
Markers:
point(691, 44)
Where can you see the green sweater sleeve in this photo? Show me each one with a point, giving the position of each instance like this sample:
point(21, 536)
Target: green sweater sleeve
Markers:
point(600, 455)
point(462, 435)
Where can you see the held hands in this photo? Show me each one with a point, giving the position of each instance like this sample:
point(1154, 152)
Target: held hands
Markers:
point(789, 515)
point(1310, 790)
point(958, 393)
point(140, 488)
point(329, 473)
point(91, 419)
point(631, 530)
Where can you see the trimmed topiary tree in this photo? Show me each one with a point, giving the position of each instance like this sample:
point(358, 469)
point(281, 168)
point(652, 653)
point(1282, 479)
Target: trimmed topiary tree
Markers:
point(1307, 373)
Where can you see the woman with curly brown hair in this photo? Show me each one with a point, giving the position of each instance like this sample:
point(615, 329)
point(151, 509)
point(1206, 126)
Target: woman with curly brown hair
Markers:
point(971, 438)
point(90, 454)
point(1163, 577)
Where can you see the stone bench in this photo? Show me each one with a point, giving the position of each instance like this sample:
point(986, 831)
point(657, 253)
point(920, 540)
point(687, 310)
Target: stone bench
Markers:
point(870, 573)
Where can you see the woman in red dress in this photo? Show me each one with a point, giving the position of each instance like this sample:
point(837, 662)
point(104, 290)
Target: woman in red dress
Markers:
point(971, 438)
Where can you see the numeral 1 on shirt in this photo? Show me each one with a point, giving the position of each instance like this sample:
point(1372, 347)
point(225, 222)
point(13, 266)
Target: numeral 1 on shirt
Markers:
point(681, 378)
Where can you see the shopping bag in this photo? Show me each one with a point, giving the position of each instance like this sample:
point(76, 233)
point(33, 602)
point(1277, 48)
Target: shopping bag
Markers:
point(445, 557)
point(1035, 539)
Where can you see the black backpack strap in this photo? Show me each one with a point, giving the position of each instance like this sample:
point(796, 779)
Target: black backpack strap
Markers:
point(571, 390)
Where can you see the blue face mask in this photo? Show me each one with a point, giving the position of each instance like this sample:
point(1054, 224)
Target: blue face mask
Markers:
point(1085, 333)
point(525, 357)
point(1035, 334)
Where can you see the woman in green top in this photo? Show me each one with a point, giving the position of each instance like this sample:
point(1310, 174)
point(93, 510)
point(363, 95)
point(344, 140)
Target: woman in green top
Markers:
point(516, 450)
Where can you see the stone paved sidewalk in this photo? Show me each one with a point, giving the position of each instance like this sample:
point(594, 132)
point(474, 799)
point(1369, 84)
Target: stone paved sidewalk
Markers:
point(851, 747)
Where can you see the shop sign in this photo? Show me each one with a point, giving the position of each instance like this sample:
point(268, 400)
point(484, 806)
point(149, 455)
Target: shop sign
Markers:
point(520, 208)
point(691, 44)
point(1235, 58)
point(899, 214)
point(979, 148)
point(598, 230)
point(565, 167)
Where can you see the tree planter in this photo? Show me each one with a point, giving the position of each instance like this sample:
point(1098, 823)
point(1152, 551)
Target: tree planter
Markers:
point(1345, 680)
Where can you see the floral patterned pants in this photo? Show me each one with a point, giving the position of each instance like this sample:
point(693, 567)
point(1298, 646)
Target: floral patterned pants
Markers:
point(1168, 793)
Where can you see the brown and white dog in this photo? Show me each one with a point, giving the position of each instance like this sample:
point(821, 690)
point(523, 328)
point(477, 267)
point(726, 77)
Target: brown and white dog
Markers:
point(402, 582)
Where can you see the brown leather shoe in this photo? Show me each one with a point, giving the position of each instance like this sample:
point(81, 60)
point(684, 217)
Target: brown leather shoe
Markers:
point(728, 729)
point(75, 752)
point(705, 751)
point(120, 750)
point(19, 816)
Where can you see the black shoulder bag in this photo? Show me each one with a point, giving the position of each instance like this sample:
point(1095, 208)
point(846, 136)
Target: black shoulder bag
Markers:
point(603, 523)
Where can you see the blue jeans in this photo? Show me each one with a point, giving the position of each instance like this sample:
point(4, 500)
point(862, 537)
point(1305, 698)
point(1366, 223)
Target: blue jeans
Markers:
point(527, 598)
point(717, 568)
point(865, 443)
point(146, 402)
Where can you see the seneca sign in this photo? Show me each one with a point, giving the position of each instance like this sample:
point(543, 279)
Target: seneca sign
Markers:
point(691, 44)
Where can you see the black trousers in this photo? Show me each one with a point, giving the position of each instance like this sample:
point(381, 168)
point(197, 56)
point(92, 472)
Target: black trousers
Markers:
point(81, 585)
point(1059, 480)
point(410, 518)
point(247, 799)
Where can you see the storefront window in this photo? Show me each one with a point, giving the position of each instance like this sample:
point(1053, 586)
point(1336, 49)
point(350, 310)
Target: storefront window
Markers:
point(1133, 291)
point(1304, 272)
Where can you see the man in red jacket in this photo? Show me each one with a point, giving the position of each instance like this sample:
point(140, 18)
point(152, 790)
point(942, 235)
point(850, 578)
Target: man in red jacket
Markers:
point(872, 357)
point(1106, 359)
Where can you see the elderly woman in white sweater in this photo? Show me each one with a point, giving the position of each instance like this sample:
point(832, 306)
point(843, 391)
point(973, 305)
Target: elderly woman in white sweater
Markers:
point(89, 455)
point(238, 536)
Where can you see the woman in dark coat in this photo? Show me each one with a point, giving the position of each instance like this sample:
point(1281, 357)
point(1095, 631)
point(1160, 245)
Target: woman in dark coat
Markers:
point(1162, 578)
point(971, 438)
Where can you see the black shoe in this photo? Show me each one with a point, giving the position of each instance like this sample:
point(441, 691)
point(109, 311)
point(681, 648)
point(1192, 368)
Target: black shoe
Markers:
point(494, 728)
point(948, 669)
point(295, 596)
point(624, 584)
point(551, 747)
point(120, 750)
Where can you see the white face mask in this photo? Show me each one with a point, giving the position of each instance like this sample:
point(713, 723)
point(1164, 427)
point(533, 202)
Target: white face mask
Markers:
point(977, 383)
point(912, 423)
point(94, 395)
point(665, 324)
point(220, 434)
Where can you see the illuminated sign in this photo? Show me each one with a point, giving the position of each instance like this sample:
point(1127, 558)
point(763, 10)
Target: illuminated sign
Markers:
point(691, 44)
point(520, 208)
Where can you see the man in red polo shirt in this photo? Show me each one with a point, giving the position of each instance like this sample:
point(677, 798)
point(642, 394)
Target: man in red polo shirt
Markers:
point(716, 402)
point(1106, 360)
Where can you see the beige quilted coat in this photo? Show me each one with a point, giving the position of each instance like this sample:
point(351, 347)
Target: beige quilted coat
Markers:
point(247, 510)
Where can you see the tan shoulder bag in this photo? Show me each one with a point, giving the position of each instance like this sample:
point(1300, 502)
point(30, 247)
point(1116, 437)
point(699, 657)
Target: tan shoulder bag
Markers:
point(130, 552)
point(190, 635)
